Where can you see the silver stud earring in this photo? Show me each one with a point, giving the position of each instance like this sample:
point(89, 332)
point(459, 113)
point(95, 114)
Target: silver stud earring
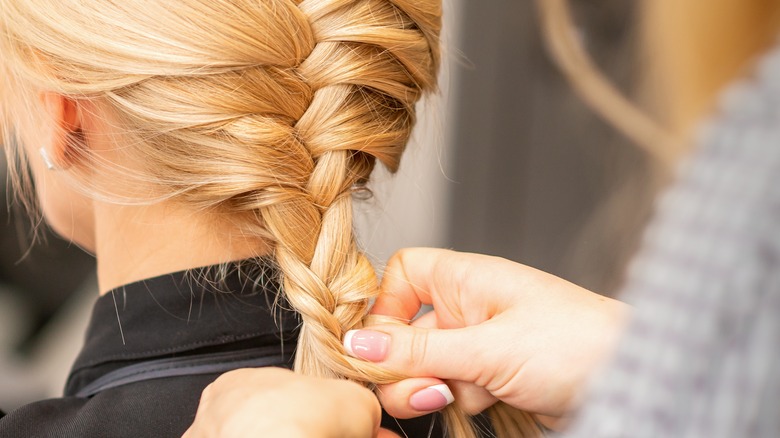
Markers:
point(47, 159)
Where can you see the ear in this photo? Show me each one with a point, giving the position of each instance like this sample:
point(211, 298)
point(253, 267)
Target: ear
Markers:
point(64, 143)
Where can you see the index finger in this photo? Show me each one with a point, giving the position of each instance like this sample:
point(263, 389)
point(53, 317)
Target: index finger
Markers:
point(410, 278)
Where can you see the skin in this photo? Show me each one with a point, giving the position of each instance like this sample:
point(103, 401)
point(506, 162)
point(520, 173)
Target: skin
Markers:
point(130, 242)
point(302, 406)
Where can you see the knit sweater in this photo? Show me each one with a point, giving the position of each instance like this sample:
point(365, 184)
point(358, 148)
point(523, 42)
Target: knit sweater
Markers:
point(701, 357)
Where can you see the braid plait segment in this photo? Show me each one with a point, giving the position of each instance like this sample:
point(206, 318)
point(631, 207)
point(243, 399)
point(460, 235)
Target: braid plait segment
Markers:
point(369, 66)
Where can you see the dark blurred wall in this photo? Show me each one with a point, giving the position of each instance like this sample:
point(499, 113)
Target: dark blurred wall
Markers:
point(539, 178)
point(42, 273)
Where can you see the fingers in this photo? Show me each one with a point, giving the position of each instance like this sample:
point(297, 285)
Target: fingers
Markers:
point(418, 396)
point(464, 289)
point(365, 412)
point(406, 282)
point(453, 354)
point(293, 405)
point(397, 397)
point(472, 398)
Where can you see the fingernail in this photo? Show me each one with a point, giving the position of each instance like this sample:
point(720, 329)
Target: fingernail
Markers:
point(431, 398)
point(366, 344)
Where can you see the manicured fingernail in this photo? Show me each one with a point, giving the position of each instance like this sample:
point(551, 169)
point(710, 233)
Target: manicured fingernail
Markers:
point(366, 344)
point(431, 398)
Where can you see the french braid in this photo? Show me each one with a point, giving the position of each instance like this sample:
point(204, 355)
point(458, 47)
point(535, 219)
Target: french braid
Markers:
point(366, 71)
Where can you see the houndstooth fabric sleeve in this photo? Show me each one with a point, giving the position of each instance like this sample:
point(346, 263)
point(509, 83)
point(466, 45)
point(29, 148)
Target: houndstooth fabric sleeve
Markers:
point(701, 357)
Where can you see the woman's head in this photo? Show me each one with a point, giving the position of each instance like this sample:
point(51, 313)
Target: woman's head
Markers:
point(264, 114)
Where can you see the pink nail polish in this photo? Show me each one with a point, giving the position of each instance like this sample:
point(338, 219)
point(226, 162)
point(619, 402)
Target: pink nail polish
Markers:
point(431, 398)
point(367, 344)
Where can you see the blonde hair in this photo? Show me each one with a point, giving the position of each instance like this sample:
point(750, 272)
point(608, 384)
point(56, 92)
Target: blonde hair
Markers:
point(560, 35)
point(693, 48)
point(687, 52)
point(269, 113)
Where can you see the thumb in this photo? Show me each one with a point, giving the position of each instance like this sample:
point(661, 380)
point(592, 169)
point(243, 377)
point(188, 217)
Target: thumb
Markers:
point(450, 354)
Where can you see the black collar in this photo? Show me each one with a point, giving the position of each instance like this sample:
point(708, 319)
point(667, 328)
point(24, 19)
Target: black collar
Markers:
point(204, 309)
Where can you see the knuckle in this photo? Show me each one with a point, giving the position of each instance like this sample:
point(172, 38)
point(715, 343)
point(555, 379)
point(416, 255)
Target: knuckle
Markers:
point(398, 257)
point(226, 378)
point(419, 356)
point(392, 399)
point(206, 395)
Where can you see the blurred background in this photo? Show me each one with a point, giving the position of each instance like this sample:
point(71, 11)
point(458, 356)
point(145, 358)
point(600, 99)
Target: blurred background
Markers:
point(506, 160)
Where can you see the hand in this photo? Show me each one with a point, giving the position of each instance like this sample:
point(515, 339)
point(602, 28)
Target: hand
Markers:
point(498, 331)
point(274, 402)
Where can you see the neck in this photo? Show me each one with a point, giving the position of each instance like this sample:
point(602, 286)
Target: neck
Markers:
point(133, 243)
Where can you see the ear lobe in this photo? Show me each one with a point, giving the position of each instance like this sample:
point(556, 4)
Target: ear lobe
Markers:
point(65, 141)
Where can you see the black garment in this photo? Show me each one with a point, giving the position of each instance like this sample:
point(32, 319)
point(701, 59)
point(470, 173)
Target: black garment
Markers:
point(191, 328)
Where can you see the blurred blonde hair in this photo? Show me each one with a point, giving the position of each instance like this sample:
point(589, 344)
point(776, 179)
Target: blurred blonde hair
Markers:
point(266, 113)
point(693, 48)
point(687, 51)
point(562, 38)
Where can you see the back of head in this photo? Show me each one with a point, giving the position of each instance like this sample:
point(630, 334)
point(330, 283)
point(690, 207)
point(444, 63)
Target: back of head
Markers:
point(268, 114)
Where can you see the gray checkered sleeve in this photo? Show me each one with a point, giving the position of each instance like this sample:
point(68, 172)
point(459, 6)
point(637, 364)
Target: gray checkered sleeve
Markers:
point(701, 357)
